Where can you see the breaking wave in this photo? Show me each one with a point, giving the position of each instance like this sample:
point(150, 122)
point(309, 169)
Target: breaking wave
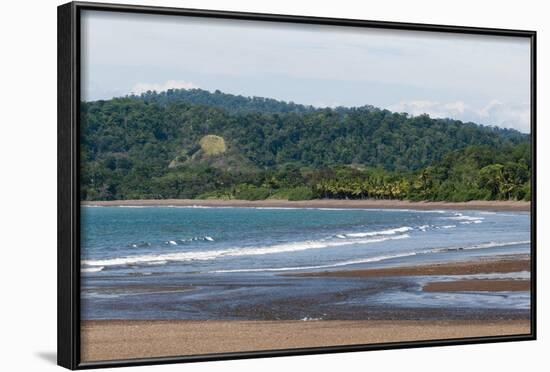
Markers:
point(91, 269)
point(232, 252)
point(377, 233)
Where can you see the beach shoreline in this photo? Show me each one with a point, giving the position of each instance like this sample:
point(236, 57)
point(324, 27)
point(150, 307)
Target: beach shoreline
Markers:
point(127, 339)
point(496, 205)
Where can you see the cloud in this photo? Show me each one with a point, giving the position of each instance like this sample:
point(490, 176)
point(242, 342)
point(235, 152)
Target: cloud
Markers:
point(170, 84)
point(516, 116)
point(432, 108)
point(322, 104)
point(494, 113)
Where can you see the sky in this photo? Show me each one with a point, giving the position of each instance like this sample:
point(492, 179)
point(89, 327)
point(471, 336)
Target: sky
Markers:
point(484, 79)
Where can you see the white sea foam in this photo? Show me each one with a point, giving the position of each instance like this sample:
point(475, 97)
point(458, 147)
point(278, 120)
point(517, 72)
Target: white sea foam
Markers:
point(172, 242)
point(139, 245)
point(232, 252)
point(439, 211)
point(477, 246)
point(470, 222)
point(497, 244)
point(381, 232)
point(156, 263)
point(197, 238)
point(91, 269)
point(461, 217)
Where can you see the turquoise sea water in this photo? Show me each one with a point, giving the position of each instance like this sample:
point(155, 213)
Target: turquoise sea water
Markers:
point(226, 263)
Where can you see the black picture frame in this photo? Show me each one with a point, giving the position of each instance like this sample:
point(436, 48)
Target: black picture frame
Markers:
point(68, 215)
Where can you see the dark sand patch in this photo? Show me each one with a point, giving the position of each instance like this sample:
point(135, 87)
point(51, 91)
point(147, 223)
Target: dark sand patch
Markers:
point(480, 285)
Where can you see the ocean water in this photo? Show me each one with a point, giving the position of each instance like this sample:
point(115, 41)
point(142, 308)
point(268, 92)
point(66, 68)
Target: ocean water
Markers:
point(234, 263)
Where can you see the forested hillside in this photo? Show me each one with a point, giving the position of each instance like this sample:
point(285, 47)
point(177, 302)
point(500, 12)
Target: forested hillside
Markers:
point(193, 143)
point(228, 102)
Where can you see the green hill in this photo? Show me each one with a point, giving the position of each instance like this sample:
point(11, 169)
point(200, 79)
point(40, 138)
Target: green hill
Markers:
point(188, 143)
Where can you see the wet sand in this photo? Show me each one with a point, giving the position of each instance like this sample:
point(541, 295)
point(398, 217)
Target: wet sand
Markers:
point(479, 285)
point(483, 266)
point(126, 339)
point(495, 205)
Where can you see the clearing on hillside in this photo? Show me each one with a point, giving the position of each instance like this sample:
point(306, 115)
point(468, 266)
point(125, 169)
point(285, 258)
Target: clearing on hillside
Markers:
point(212, 145)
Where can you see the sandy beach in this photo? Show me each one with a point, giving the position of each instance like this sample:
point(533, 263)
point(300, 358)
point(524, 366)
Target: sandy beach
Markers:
point(325, 203)
point(108, 340)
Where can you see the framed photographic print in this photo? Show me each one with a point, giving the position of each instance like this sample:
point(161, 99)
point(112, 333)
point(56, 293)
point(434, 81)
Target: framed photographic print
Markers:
point(235, 185)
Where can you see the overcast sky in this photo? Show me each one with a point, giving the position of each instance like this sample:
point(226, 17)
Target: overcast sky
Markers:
point(472, 78)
